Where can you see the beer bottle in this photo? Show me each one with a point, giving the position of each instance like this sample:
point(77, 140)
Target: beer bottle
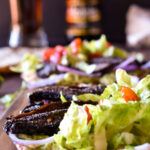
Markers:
point(83, 19)
point(26, 26)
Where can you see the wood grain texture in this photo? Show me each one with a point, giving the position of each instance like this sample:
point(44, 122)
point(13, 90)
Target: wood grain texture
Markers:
point(18, 104)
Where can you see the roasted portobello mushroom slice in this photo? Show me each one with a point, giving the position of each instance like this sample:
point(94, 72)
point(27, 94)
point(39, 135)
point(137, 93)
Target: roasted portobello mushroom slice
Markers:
point(44, 120)
point(52, 93)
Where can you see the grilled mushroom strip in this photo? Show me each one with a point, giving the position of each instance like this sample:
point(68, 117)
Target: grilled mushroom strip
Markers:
point(43, 120)
point(52, 93)
point(31, 107)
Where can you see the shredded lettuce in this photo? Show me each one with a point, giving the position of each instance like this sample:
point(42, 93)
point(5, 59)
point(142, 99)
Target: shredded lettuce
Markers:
point(74, 59)
point(29, 62)
point(28, 66)
point(80, 60)
point(100, 46)
point(7, 99)
point(94, 46)
point(129, 147)
point(87, 97)
point(115, 52)
point(143, 88)
point(124, 79)
point(108, 79)
point(112, 93)
point(111, 127)
point(70, 79)
point(115, 124)
point(123, 139)
point(63, 99)
point(72, 137)
point(86, 67)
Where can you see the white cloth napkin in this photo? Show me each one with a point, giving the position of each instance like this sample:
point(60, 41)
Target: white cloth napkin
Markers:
point(138, 27)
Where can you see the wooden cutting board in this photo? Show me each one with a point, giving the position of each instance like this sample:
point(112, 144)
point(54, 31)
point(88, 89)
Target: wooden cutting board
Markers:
point(18, 104)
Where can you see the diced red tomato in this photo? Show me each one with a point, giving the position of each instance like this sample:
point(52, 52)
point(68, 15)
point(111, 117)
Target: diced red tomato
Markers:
point(95, 55)
point(55, 54)
point(128, 94)
point(108, 44)
point(100, 102)
point(75, 44)
point(55, 58)
point(89, 116)
point(48, 53)
point(61, 49)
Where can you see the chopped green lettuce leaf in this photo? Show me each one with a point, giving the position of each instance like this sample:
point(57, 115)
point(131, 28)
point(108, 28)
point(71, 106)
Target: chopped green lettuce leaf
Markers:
point(28, 66)
point(96, 45)
point(114, 125)
point(74, 59)
point(129, 147)
point(75, 138)
point(29, 62)
point(99, 45)
point(87, 97)
point(86, 67)
point(111, 127)
point(123, 139)
point(113, 51)
point(7, 99)
point(108, 79)
point(143, 88)
point(70, 79)
point(100, 140)
point(124, 79)
point(63, 99)
point(112, 92)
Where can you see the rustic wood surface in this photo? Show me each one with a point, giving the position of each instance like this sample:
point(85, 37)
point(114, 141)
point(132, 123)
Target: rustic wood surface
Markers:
point(18, 104)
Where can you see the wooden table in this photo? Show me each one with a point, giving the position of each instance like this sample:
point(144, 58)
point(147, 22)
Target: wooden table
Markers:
point(11, 84)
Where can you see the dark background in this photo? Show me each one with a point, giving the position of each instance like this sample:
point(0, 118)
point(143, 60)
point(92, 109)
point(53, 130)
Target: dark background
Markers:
point(113, 12)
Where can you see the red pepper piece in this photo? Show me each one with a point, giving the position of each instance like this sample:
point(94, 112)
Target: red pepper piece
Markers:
point(61, 49)
point(55, 58)
point(100, 102)
point(75, 44)
point(95, 55)
point(128, 94)
point(55, 54)
point(108, 44)
point(47, 53)
point(89, 116)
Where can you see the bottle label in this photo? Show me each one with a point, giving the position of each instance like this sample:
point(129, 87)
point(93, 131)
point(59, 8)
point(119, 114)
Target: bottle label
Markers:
point(83, 17)
point(83, 30)
point(83, 12)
